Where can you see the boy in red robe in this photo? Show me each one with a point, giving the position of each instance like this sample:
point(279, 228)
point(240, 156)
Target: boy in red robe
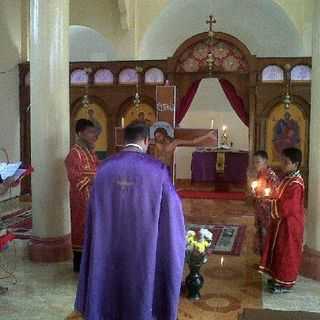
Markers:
point(81, 164)
point(266, 178)
point(283, 250)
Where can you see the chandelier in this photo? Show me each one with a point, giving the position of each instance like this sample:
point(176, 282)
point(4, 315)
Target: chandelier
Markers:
point(85, 99)
point(210, 59)
point(137, 98)
point(287, 98)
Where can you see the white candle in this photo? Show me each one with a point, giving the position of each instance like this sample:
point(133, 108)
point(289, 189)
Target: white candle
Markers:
point(254, 186)
point(211, 126)
point(122, 122)
point(224, 128)
point(267, 192)
point(221, 261)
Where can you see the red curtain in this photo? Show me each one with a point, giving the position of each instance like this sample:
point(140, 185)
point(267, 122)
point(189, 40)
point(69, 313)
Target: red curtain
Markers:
point(186, 101)
point(235, 101)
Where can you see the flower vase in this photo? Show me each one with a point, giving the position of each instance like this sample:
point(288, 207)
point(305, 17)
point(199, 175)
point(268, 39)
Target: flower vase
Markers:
point(194, 281)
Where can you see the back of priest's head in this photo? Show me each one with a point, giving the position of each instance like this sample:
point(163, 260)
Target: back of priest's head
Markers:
point(136, 132)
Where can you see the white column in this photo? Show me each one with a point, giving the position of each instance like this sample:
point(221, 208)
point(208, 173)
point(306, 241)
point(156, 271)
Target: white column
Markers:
point(311, 262)
point(49, 65)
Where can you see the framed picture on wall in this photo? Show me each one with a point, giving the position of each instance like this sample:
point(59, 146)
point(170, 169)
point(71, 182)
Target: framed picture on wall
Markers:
point(285, 128)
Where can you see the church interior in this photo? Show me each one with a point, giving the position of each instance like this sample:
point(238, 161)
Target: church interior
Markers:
point(246, 70)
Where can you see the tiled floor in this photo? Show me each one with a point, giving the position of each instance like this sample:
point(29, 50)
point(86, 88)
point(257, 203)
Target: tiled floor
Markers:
point(45, 292)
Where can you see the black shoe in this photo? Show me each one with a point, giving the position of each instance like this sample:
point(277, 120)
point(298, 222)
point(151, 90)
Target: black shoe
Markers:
point(270, 283)
point(3, 290)
point(278, 289)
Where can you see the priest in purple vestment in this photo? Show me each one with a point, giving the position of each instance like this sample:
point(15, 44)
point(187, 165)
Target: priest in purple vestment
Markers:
point(134, 244)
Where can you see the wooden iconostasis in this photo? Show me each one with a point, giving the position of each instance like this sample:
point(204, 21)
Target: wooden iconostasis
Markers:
point(260, 82)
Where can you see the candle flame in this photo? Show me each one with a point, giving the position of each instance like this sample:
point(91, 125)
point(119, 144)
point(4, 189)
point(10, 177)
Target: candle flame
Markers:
point(221, 261)
point(267, 192)
point(224, 128)
point(254, 185)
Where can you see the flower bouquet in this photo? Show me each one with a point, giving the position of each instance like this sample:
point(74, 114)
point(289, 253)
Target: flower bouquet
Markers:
point(197, 246)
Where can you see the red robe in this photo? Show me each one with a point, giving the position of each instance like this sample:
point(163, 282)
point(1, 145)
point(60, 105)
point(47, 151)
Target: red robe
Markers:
point(81, 164)
point(266, 179)
point(283, 249)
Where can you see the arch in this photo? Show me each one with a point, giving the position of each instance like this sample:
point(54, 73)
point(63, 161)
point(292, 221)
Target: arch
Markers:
point(267, 117)
point(229, 54)
point(255, 21)
point(154, 76)
point(300, 72)
point(100, 117)
point(86, 44)
point(272, 73)
point(127, 104)
point(128, 76)
point(79, 77)
point(103, 76)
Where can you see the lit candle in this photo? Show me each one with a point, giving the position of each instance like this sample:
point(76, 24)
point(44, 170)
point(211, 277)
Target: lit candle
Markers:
point(122, 122)
point(267, 192)
point(224, 128)
point(221, 261)
point(211, 126)
point(254, 186)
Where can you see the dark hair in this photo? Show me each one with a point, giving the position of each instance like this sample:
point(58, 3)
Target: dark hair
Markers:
point(162, 131)
point(83, 124)
point(294, 154)
point(136, 131)
point(262, 154)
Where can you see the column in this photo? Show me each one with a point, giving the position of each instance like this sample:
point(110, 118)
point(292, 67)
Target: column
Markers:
point(49, 65)
point(311, 257)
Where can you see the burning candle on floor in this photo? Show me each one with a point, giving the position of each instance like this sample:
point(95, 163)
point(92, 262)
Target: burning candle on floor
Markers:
point(221, 261)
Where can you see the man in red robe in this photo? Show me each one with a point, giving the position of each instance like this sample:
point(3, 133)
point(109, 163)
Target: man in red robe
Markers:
point(81, 164)
point(265, 178)
point(283, 249)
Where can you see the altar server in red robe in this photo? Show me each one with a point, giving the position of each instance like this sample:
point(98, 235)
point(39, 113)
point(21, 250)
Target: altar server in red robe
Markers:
point(283, 250)
point(81, 164)
point(266, 179)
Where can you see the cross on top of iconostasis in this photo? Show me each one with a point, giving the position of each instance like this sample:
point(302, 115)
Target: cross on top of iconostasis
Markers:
point(211, 22)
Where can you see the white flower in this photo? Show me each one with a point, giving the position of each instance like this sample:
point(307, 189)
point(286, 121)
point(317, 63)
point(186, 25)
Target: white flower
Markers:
point(191, 234)
point(205, 234)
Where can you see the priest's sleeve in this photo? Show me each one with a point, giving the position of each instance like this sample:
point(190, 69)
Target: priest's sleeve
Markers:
point(78, 176)
point(170, 253)
point(291, 202)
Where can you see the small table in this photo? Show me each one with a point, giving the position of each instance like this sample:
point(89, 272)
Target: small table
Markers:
point(203, 167)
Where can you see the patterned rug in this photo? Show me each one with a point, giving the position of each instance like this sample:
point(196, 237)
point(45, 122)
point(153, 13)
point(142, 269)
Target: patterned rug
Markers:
point(196, 194)
point(227, 238)
point(18, 223)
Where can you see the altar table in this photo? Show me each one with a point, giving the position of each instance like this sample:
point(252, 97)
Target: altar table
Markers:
point(203, 167)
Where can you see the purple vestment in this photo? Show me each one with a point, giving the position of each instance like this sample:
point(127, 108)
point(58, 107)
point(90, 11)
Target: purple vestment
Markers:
point(134, 245)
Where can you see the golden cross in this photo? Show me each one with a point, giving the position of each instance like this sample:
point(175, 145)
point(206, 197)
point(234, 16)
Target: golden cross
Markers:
point(211, 22)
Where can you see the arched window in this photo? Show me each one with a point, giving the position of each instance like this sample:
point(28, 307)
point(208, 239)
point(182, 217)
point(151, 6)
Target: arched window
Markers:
point(128, 76)
point(272, 73)
point(79, 77)
point(301, 73)
point(154, 76)
point(103, 76)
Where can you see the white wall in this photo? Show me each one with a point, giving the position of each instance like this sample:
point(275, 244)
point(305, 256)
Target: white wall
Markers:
point(10, 35)
point(87, 44)
point(209, 103)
